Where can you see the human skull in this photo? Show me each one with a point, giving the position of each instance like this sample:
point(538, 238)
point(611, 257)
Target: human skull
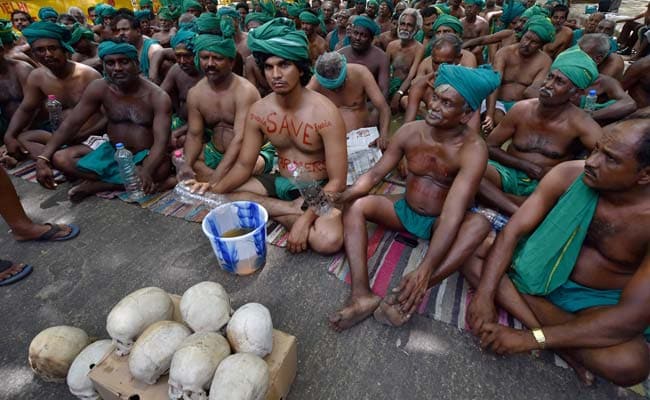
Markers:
point(194, 364)
point(78, 382)
point(242, 376)
point(206, 307)
point(250, 330)
point(134, 313)
point(152, 353)
point(53, 350)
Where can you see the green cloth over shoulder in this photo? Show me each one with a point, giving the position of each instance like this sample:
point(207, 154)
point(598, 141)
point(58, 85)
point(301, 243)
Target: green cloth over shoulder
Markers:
point(415, 223)
point(544, 260)
point(101, 162)
point(514, 181)
point(144, 56)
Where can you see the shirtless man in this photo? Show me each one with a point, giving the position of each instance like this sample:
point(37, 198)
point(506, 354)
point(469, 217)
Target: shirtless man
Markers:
point(384, 15)
point(13, 79)
point(446, 161)
point(238, 36)
point(372, 6)
point(609, 63)
point(405, 56)
point(138, 115)
point(447, 24)
point(563, 34)
point(309, 23)
point(336, 37)
point(104, 21)
point(127, 29)
point(58, 76)
point(636, 81)
point(21, 20)
point(543, 132)
point(474, 26)
point(595, 308)
point(83, 42)
point(328, 9)
point(350, 87)
point(385, 38)
point(523, 67)
point(165, 24)
point(429, 16)
point(211, 107)
point(303, 126)
point(361, 51)
point(181, 77)
point(455, 9)
point(359, 7)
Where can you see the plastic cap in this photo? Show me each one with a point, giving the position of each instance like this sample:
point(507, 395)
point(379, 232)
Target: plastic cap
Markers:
point(178, 153)
point(51, 97)
point(119, 146)
point(592, 92)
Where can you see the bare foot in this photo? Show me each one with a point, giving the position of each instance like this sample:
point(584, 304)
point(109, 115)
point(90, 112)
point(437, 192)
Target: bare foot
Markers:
point(583, 373)
point(88, 188)
point(388, 312)
point(8, 161)
point(356, 310)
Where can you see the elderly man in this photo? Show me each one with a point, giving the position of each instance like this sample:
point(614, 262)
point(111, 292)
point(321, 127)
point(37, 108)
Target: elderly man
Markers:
point(328, 9)
point(138, 115)
point(57, 76)
point(474, 25)
point(166, 25)
point(13, 82)
point(223, 119)
point(350, 87)
point(384, 15)
point(127, 29)
point(310, 23)
point(563, 34)
point(337, 37)
point(82, 41)
point(543, 132)
point(304, 126)
point(523, 67)
point(448, 24)
point(576, 255)
point(599, 46)
point(372, 7)
point(405, 56)
point(103, 21)
point(361, 51)
point(446, 160)
point(590, 26)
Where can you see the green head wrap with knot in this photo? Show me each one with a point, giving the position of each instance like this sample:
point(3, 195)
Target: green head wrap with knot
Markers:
point(207, 23)
point(474, 84)
point(262, 18)
point(365, 22)
point(309, 18)
point(142, 15)
point(184, 36)
point(80, 32)
point(145, 3)
point(214, 44)
point(534, 10)
point(47, 13)
point(280, 38)
point(48, 30)
point(191, 4)
point(450, 21)
point(578, 67)
point(229, 12)
point(165, 14)
point(479, 3)
point(268, 7)
point(7, 34)
point(109, 48)
point(542, 27)
point(511, 10)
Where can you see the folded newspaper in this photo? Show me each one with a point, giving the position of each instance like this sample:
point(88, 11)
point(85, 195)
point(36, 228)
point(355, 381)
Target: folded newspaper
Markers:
point(361, 157)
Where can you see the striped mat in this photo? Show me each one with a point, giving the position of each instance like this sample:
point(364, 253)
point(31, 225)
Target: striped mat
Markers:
point(27, 170)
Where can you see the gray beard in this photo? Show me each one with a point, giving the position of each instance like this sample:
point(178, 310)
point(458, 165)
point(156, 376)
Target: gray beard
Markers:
point(404, 35)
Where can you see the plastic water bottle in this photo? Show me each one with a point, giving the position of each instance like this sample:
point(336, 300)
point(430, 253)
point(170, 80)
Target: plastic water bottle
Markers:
point(55, 109)
point(184, 195)
point(590, 101)
point(178, 159)
point(310, 190)
point(132, 182)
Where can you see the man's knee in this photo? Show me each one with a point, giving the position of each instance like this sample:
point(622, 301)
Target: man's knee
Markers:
point(476, 226)
point(628, 368)
point(64, 161)
point(326, 237)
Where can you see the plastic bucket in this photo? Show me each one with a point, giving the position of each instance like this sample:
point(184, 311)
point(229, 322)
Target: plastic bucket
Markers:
point(243, 254)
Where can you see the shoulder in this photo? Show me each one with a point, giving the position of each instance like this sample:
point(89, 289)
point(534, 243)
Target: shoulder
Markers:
point(244, 85)
point(377, 52)
point(86, 71)
point(319, 102)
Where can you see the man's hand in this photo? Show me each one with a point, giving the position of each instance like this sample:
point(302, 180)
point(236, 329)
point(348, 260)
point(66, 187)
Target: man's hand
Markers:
point(178, 138)
point(297, 241)
point(487, 125)
point(15, 148)
point(196, 186)
point(394, 103)
point(481, 311)
point(186, 173)
point(504, 340)
point(148, 185)
point(536, 172)
point(412, 289)
point(44, 174)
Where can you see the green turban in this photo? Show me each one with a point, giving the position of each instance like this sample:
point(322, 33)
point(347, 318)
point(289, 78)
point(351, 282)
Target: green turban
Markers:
point(294, 10)
point(542, 27)
point(165, 14)
point(280, 38)
point(373, 2)
point(269, 8)
point(207, 23)
point(142, 15)
point(511, 10)
point(80, 32)
point(389, 3)
point(479, 3)
point(103, 10)
point(365, 22)
point(229, 12)
point(450, 21)
point(534, 10)
point(257, 16)
point(184, 36)
point(46, 13)
point(577, 66)
point(442, 8)
point(474, 84)
point(144, 3)
point(7, 34)
point(309, 18)
point(214, 44)
point(109, 48)
point(48, 30)
point(187, 4)
point(227, 26)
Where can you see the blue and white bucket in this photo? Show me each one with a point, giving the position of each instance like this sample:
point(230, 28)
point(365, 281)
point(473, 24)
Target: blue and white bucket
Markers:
point(241, 255)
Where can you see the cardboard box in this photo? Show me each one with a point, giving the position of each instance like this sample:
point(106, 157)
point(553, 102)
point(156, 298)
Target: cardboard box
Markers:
point(113, 381)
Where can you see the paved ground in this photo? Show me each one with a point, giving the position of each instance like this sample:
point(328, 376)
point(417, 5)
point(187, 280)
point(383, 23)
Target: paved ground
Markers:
point(122, 248)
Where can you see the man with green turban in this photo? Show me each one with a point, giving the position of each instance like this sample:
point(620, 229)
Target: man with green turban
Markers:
point(543, 132)
point(372, 7)
point(144, 17)
point(48, 30)
point(361, 51)
point(146, 5)
point(437, 211)
point(104, 17)
point(512, 10)
point(224, 119)
point(255, 19)
point(385, 12)
point(208, 23)
point(138, 115)
point(304, 126)
point(230, 19)
point(48, 14)
point(192, 7)
point(448, 24)
point(474, 26)
point(82, 41)
point(166, 21)
point(309, 24)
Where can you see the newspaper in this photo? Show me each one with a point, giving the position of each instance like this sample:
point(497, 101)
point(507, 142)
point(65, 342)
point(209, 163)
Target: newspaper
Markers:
point(361, 157)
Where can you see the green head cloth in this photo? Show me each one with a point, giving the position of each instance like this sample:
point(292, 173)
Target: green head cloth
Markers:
point(295, 9)
point(227, 25)
point(450, 21)
point(7, 34)
point(280, 38)
point(443, 8)
point(46, 13)
point(80, 32)
point(577, 66)
point(268, 7)
point(309, 18)
point(542, 27)
point(142, 15)
point(109, 48)
point(145, 3)
point(257, 16)
point(214, 44)
point(479, 3)
point(102, 11)
point(185, 37)
point(191, 4)
point(534, 10)
point(365, 22)
point(474, 84)
point(389, 3)
point(165, 14)
point(333, 83)
point(511, 10)
point(48, 30)
point(360, 1)
point(373, 2)
point(207, 23)
point(229, 12)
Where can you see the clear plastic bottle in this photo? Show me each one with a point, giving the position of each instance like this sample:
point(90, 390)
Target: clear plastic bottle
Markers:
point(178, 159)
point(55, 109)
point(132, 182)
point(590, 101)
point(184, 195)
point(310, 190)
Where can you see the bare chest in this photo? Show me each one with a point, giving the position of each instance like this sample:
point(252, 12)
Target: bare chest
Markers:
point(290, 130)
point(135, 110)
point(434, 160)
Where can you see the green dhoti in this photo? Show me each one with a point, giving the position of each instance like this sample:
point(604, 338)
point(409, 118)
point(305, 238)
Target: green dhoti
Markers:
point(415, 223)
point(514, 181)
point(177, 122)
point(394, 85)
point(101, 162)
point(212, 156)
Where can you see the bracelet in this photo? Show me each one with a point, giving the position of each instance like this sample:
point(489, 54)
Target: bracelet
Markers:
point(539, 338)
point(42, 157)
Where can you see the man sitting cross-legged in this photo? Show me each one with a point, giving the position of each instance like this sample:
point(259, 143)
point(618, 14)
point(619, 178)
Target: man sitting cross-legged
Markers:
point(577, 255)
point(138, 114)
point(445, 160)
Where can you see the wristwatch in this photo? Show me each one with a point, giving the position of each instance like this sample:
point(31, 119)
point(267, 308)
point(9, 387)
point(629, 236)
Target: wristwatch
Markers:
point(539, 337)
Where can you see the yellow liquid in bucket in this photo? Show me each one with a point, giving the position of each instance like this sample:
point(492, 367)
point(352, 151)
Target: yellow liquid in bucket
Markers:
point(236, 232)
